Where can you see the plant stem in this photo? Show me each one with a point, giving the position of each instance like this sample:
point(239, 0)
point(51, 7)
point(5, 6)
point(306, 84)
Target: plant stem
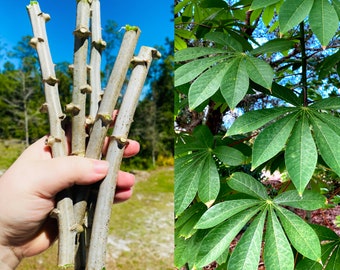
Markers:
point(80, 86)
point(111, 94)
point(57, 140)
point(98, 44)
point(97, 252)
point(103, 118)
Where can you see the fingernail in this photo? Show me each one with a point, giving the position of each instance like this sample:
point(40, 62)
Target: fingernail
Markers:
point(100, 166)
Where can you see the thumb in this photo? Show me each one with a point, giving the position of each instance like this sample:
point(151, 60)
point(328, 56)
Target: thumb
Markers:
point(54, 175)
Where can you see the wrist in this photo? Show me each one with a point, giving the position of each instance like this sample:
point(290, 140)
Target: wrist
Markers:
point(8, 259)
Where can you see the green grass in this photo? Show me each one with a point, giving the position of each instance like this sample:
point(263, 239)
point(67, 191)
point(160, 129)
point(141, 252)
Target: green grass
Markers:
point(10, 150)
point(141, 229)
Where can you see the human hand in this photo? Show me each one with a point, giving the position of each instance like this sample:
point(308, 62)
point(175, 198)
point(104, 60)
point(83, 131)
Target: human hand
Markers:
point(28, 189)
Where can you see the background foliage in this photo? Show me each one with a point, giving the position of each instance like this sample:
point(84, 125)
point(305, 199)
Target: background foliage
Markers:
point(257, 86)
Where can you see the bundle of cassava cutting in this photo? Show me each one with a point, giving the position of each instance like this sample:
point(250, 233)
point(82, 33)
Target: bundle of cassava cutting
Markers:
point(82, 218)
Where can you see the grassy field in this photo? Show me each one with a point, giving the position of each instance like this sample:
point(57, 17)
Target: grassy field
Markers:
point(141, 230)
point(10, 150)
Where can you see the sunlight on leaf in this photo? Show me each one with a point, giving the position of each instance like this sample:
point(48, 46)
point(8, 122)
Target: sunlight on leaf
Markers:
point(246, 184)
point(222, 211)
point(220, 237)
point(246, 254)
point(235, 82)
point(323, 20)
point(292, 12)
point(278, 254)
point(301, 154)
point(273, 138)
point(300, 234)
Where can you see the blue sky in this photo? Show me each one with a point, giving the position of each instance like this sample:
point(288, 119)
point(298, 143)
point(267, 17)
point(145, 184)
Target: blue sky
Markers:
point(153, 18)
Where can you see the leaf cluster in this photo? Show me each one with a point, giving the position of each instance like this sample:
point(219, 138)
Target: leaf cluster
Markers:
point(258, 218)
point(271, 67)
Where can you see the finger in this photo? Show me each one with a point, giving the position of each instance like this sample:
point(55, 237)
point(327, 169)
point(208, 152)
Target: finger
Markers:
point(122, 195)
point(114, 117)
point(125, 180)
point(54, 175)
point(37, 150)
point(131, 149)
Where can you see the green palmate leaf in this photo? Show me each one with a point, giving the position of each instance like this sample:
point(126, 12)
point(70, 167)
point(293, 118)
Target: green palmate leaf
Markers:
point(224, 39)
point(285, 94)
point(277, 253)
point(331, 103)
point(301, 154)
point(235, 82)
point(330, 120)
point(209, 183)
point(328, 64)
point(323, 20)
point(255, 119)
point(259, 71)
point(214, 4)
point(180, 44)
point(193, 53)
point(191, 70)
point(310, 200)
point(185, 249)
point(268, 14)
point(188, 11)
point(246, 255)
point(300, 234)
point(327, 141)
point(327, 250)
point(200, 140)
point(279, 91)
point(336, 4)
point(308, 264)
point(217, 241)
point(272, 139)
point(324, 233)
point(186, 182)
point(189, 213)
point(334, 261)
point(222, 211)
point(229, 156)
point(256, 4)
point(180, 5)
point(292, 12)
point(245, 183)
point(203, 177)
point(244, 42)
point(203, 137)
point(273, 46)
point(200, 15)
point(206, 85)
point(188, 229)
point(185, 33)
point(179, 253)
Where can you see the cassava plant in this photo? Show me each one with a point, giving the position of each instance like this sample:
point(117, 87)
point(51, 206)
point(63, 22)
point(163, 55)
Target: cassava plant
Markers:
point(81, 243)
point(257, 86)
